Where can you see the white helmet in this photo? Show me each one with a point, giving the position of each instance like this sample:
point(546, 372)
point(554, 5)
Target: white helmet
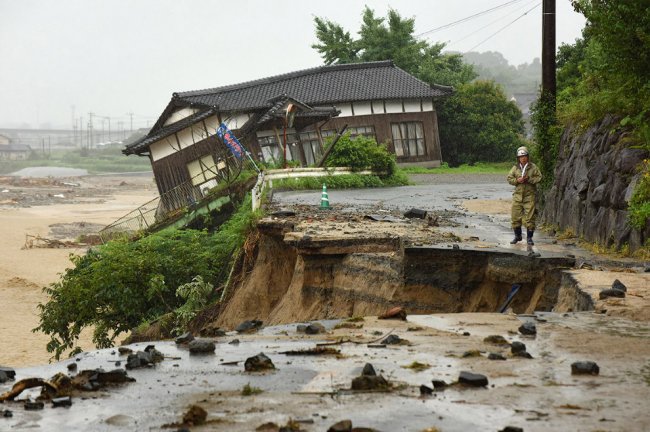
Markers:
point(522, 151)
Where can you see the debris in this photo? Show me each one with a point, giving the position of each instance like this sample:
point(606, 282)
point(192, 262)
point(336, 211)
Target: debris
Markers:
point(368, 370)
point(522, 354)
point(584, 368)
point(9, 372)
point(249, 326)
point(195, 416)
point(514, 289)
point(417, 366)
point(234, 342)
point(369, 380)
point(300, 328)
point(62, 402)
point(472, 379)
point(202, 347)
point(283, 213)
point(471, 353)
point(313, 351)
point(7, 413)
point(184, 338)
point(394, 340)
point(342, 426)
point(315, 328)
point(139, 360)
point(72, 367)
point(258, 363)
point(496, 340)
point(34, 406)
point(517, 347)
point(528, 328)
point(397, 312)
point(512, 429)
point(91, 380)
point(455, 246)
point(124, 350)
point(611, 293)
point(439, 384)
point(3, 377)
point(425, 390)
point(382, 218)
point(25, 384)
point(156, 356)
point(618, 285)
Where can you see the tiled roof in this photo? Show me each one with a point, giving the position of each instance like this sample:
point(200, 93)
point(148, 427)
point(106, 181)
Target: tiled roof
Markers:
point(319, 86)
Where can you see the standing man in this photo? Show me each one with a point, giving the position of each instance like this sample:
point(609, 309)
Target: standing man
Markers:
point(524, 176)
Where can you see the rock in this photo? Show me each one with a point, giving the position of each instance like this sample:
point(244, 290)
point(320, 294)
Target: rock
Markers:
point(202, 347)
point(234, 342)
point(394, 313)
point(392, 340)
point(528, 328)
point(618, 285)
point(124, 350)
point(368, 370)
point(3, 377)
point(212, 330)
point(60, 402)
point(495, 356)
point(471, 353)
point(342, 426)
point(366, 382)
point(522, 354)
point(11, 373)
point(416, 214)
point(249, 326)
point(139, 360)
point(258, 363)
point(466, 333)
point(517, 347)
point(195, 416)
point(184, 338)
point(300, 328)
point(439, 384)
point(611, 293)
point(315, 328)
point(472, 379)
point(584, 368)
point(425, 390)
point(156, 356)
point(7, 413)
point(72, 367)
point(496, 340)
point(455, 246)
point(34, 406)
point(512, 429)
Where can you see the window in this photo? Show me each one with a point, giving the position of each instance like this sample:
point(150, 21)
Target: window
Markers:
point(311, 147)
point(368, 131)
point(408, 139)
point(203, 169)
point(272, 151)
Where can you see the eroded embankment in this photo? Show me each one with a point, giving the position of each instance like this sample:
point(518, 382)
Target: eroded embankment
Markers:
point(292, 276)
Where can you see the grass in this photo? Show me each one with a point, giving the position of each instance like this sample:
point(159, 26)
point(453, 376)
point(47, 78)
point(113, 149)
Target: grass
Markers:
point(477, 168)
point(100, 160)
point(417, 366)
point(346, 181)
point(249, 390)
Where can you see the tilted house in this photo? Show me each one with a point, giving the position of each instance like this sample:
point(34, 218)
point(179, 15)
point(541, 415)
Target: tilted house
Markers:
point(376, 99)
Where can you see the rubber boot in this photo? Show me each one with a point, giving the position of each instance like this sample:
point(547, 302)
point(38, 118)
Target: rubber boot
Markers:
point(517, 238)
point(529, 237)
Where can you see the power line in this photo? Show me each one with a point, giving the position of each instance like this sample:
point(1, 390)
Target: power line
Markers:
point(467, 18)
point(502, 28)
point(457, 41)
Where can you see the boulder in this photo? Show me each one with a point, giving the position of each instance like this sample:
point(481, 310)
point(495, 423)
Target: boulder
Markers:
point(185, 338)
point(249, 326)
point(342, 426)
point(258, 363)
point(528, 328)
point(315, 328)
point(202, 346)
point(618, 285)
point(517, 347)
point(471, 379)
point(584, 368)
point(611, 293)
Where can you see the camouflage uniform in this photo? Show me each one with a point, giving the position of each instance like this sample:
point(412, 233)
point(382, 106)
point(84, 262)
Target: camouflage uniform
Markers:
point(523, 198)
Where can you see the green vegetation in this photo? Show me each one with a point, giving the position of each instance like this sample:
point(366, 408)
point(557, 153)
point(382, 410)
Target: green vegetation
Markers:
point(249, 390)
point(478, 123)
point(362, 153)
point(122, 284)
point(639, 210)
point(98, 160)
point(546, 134)
point(477, 168)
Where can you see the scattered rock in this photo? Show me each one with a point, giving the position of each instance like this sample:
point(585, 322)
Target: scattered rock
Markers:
point(34, 406)
point(342, 426)
point(366, 382)
point(416, 214)
point(61, 402)
point(258, 363)
point(185, 338)
point(512, 429)
point(202, 347)
point(124, 350)
point(472, 379)
point(471, 353)
point(234, 342)
point(156, 356)
point(584, 368)
point(139, 360)
point(393, 340)
point(397, 312)
point(368, 370)
point(283, 213)
point(586, 266)
point(212, 330)
point(455, 246)
point(249, 326)
point(425, 390)
point(496, 340)
point(315, 328)
point(522, 354)
point(495, 356)
point(11, 373)
point(300, 328)
point(618, 285)
point(3, 377)
point(517, 347)
point(466, 333)
point(91, 380)
point(195, 416)
point(611, 293)
point(7, 413)
point(528, 328)
point(439, 384)
point(268, 427)
point(72, 367)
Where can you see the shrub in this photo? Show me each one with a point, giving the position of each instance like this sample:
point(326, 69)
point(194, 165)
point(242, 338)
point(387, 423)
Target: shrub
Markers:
point(362, 153)
point(639, 209)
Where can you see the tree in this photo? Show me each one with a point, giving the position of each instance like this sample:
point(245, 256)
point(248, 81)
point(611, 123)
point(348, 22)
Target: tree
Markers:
point(482, 125)
point(476, 124)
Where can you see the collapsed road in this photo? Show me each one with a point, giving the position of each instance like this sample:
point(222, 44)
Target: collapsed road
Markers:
point(559, 359)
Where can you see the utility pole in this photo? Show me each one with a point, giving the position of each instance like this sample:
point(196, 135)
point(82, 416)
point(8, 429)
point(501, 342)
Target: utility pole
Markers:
point(90, 129)
point(548, 51)
point(130, 114)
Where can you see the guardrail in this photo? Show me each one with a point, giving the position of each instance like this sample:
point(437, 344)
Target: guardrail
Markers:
point(265, 178)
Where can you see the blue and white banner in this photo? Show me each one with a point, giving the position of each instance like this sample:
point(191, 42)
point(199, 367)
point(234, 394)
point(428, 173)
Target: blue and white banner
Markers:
point(231, 141)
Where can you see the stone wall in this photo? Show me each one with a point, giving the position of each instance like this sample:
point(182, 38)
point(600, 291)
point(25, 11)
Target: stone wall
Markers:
point(595, 176)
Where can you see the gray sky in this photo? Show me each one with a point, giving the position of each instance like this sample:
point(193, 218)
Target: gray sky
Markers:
point(128, 56)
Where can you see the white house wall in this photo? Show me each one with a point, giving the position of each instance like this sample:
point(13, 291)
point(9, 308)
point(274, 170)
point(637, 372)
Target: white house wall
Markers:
point(180, 115)
point(362, 108)
point(187, 137)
